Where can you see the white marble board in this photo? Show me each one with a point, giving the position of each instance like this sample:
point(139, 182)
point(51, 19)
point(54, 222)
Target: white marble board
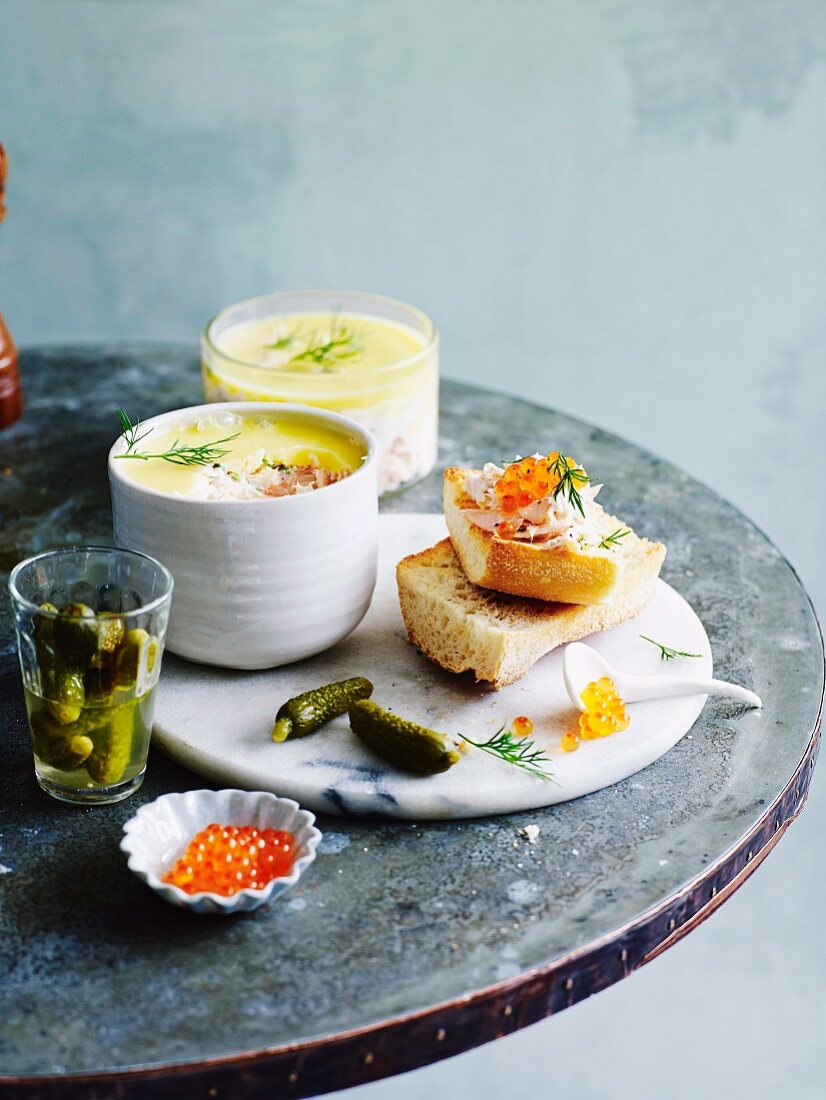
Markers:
point(217, 722)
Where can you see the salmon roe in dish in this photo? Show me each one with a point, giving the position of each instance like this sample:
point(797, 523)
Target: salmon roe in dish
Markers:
point(605, 714)
point(223, 859)
point(522, 726)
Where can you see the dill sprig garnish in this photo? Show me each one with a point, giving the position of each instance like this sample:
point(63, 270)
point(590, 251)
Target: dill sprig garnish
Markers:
point(666, 652)
point(283, 342)
point(517, 751)
point(180, 454)
point(569, 477)
point(326, 350)
point(130, 431)
point(612, 540)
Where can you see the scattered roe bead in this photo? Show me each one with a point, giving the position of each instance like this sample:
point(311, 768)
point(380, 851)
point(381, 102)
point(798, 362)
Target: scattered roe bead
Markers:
point(221, 860)
point(522, 726)
point(605, 714)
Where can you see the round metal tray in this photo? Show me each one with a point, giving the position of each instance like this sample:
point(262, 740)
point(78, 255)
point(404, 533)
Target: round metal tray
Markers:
point(406, 943)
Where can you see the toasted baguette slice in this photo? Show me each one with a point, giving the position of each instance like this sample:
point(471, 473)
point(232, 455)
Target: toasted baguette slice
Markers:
point(461, 626)
point(559, 574)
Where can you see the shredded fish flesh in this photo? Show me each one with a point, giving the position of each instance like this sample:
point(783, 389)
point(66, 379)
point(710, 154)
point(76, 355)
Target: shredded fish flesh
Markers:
point(262, 475)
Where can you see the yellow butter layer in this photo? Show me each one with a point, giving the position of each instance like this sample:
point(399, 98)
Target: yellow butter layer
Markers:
point(291, 440)
point(314, 358)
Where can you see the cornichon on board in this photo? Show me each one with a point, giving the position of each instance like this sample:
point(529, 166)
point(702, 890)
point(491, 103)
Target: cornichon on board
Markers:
point(409, 746)
point(304, 713)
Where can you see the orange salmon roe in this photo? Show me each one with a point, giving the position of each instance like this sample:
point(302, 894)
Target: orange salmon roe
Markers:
point(522, 726)
point(224, 859)
point(605, 714)
point(529, 480)
point(507, 528)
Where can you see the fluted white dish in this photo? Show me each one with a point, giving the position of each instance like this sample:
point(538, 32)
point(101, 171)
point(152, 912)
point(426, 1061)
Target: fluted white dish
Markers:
point(160, 831)
point(258, 583)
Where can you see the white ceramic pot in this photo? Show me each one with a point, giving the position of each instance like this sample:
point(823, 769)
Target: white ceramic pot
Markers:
point(258, 583)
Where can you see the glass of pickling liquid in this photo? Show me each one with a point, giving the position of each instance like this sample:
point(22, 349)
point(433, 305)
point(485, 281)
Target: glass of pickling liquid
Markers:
point(91, 623)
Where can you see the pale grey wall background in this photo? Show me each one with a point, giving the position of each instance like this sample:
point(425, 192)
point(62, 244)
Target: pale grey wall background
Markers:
point(613, 207)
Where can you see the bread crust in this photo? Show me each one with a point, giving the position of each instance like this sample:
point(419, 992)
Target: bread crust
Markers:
point(498, 637)
point(557, 574)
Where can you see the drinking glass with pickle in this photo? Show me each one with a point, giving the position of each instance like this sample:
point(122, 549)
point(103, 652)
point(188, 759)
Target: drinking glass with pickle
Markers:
point(91, 624)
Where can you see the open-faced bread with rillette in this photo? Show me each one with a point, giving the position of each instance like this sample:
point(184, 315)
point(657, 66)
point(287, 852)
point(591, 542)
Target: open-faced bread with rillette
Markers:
point(533, 528)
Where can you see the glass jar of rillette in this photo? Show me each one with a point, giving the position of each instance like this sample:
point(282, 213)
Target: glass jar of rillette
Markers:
point(370, 358)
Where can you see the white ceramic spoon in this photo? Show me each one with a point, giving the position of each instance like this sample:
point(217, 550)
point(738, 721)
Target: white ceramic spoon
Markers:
point(581, 665)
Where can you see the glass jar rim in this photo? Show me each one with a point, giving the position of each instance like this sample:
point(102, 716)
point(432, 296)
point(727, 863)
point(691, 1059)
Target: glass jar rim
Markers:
point(153, 605)
point(431, 337)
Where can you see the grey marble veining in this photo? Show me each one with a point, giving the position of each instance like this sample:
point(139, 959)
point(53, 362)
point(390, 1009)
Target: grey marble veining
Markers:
point(393, 917)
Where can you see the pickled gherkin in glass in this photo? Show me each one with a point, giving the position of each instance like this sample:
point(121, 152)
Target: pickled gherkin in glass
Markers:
point(105, 745)
point(91, 711)
point(90, 671)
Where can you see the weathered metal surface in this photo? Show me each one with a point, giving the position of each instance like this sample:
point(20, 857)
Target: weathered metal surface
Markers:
point(406, 943)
